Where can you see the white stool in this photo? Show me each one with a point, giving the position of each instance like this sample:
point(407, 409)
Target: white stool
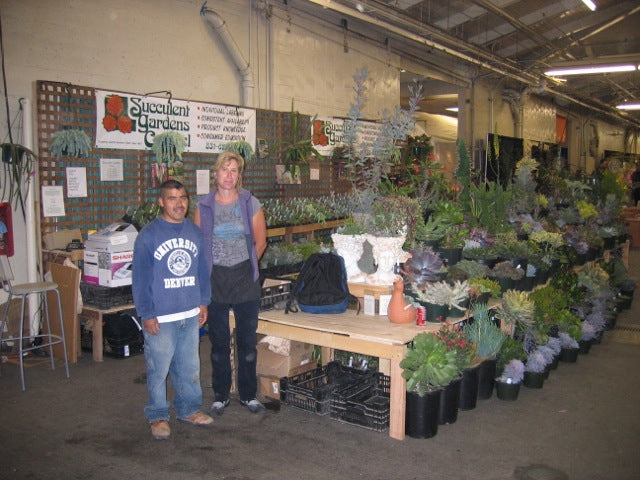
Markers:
point(24, 290)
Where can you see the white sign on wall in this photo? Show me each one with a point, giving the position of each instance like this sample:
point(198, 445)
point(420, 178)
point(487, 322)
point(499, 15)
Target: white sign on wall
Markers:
point(130, 122)
point(328, 133)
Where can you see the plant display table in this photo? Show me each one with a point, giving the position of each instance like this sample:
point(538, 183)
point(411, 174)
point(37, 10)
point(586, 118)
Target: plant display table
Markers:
point(92, 317)
point(369, 335)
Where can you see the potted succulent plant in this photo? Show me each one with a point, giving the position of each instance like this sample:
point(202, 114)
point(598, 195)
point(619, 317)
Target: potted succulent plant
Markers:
point(488, 338)
point(534, 372)
point(423, 266)
point(482, 289)
point(516, 311)
point(570, 348)
point(459, 298)
point(435, 297)
point(454, 338)
point(427, 368)
point(508, 383)
point(506, 274)
point(470, 269)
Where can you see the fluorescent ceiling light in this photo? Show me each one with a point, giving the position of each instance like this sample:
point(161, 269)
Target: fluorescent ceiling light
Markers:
point(629, 106)
point(589, 4)
point(591, 69)
point(452, 109)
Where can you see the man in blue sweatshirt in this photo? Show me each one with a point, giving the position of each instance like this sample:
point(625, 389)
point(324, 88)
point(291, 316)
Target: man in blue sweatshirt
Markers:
point(171, 291)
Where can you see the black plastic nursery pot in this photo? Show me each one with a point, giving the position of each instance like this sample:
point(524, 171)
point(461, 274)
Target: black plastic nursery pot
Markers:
point(569, 355)
point(507, 391)
point(450, 255)
point(436, 313)
point(486, 378)
point(533, 379)
point(584, 346)
point(449, 402)
point(598, 338)
point(469, 388)
point(421, 417)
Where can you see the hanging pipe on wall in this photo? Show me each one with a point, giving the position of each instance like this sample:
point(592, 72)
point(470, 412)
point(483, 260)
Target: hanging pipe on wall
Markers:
point(241, 64)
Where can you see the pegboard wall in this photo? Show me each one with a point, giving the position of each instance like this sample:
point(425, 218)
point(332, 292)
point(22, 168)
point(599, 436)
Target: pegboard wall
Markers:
point(62, 105)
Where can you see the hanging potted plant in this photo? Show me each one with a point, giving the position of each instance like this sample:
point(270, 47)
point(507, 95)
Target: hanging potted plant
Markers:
point(70, 142)
point(18, 163)
point(168, 148)
point(297, 151)
point(427, 367)
point(240, 147)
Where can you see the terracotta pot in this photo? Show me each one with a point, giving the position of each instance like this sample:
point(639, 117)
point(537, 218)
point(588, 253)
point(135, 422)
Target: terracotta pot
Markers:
point(399, 311)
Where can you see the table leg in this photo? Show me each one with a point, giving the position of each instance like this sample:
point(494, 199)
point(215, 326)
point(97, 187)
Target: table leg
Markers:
point(397, 399)
point(97, 341)
point(327, 354)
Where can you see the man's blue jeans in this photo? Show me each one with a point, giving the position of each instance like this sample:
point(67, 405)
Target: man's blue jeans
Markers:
point(246, 316)
point(174, 351)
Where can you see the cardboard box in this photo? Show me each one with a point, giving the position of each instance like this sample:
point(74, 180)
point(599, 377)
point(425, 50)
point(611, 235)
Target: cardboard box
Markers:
point(269, 385)
point(60, 239)
point(107, 269)
point(276, 365)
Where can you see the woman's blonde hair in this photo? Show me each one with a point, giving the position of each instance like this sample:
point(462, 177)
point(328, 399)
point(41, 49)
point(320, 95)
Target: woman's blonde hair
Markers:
point(225, 158)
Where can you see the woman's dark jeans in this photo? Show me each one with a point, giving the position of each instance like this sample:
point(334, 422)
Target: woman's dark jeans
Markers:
point(246, 316)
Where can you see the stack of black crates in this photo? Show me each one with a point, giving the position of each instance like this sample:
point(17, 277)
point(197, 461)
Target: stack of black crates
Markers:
point(358, 397)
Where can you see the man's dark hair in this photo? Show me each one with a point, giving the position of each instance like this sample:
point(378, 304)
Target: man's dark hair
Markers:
point(171, 184)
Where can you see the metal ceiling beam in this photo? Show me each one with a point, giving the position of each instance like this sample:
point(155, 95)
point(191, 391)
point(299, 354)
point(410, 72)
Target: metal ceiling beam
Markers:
point(398, 23)
point(539, 39)
point(604, 26)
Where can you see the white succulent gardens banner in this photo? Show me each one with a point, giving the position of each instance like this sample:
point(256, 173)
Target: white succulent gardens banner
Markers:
point(128, 121)
point(328, 133)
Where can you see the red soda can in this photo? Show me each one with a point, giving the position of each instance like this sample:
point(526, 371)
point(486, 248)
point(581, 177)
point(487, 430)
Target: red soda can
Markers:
point(421, 316)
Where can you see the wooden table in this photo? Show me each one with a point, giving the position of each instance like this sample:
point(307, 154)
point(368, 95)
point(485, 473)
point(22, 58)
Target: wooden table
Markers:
point(369, 335)
point(92, 317)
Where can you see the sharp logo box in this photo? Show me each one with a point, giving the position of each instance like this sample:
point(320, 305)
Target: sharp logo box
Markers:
point(108, 269)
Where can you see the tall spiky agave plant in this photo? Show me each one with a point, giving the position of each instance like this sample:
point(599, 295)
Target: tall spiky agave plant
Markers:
point(517, 310)
point(484, 332)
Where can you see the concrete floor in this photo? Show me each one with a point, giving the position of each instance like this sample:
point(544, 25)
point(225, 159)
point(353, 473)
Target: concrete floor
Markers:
point(584, 424)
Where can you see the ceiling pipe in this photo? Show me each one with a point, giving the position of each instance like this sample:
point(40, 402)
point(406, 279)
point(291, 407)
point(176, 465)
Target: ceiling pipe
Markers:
point(491, 62)
point(241, 64)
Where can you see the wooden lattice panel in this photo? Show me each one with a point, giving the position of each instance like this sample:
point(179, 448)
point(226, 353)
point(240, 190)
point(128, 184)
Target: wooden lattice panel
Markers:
point(61, 105)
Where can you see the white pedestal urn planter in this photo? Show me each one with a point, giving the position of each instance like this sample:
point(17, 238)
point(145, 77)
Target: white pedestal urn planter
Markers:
point(350, 248)
point(387, 253)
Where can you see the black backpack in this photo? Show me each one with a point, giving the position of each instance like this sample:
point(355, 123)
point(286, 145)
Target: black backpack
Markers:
point(321, 286)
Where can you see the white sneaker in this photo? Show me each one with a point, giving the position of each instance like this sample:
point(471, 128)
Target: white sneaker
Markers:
point(218, 407)
point(254, 405)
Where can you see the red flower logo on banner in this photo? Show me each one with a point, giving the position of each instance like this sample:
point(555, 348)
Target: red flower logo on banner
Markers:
point(116, 117)
point(109, 123)
point(124, 124)
point(319, 138)
point(114, 105)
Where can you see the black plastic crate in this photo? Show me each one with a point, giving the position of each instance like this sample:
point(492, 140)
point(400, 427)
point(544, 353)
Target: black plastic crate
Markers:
point(105, 297)
point(274, 291)
point(365, 403)
point(312, 390)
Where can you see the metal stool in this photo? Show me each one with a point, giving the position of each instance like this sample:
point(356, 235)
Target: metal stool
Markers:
point(24, 290)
